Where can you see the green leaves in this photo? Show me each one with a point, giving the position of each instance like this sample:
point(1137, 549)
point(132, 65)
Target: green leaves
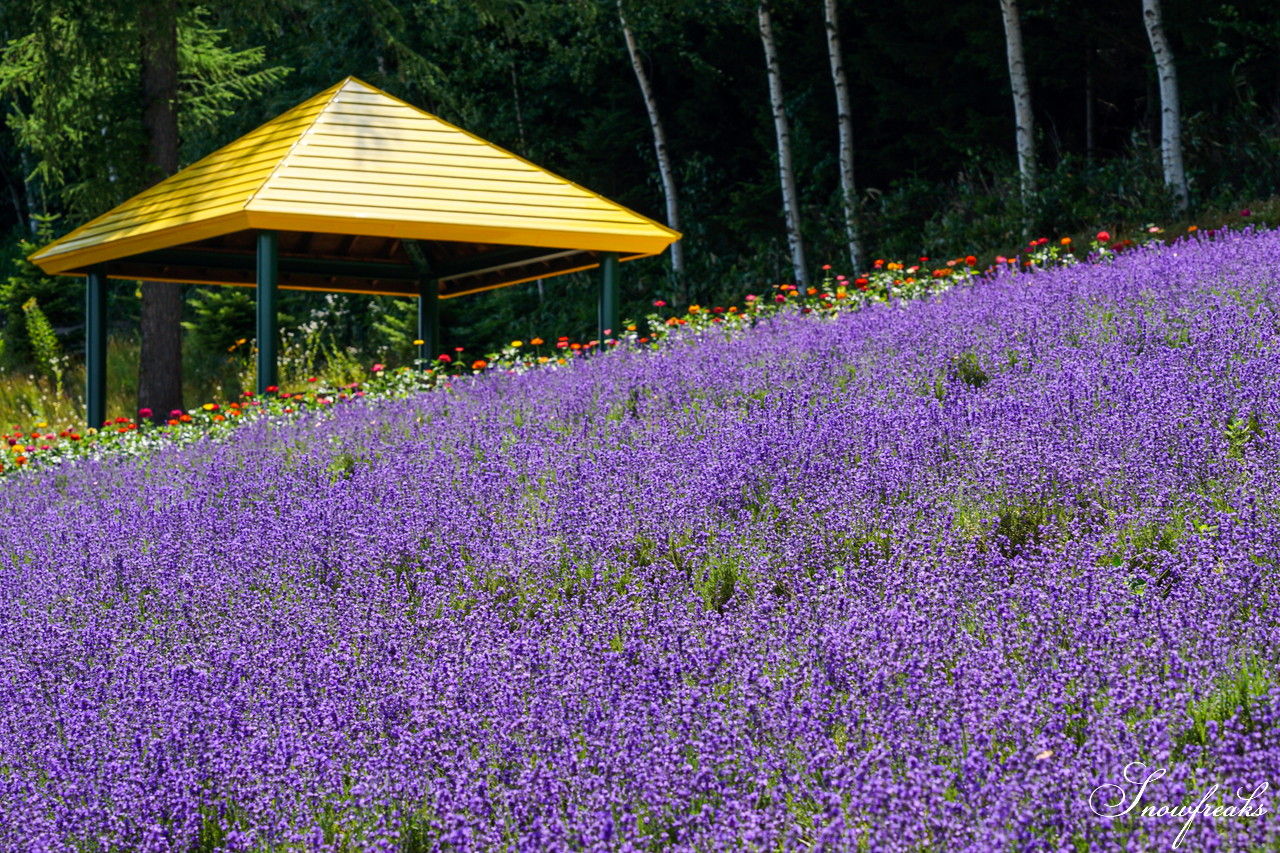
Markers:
point(72, 82)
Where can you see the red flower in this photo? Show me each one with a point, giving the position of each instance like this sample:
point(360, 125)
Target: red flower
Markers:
point(1104, 237)
point(271, 389)
point(970, 260)
point(445, 358)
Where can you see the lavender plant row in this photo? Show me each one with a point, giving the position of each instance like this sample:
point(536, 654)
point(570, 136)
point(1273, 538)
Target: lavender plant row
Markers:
point(923, 577)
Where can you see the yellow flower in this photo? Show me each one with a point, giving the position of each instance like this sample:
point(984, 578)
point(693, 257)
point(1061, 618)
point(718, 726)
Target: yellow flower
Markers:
point(42, 424)
point(542, 359)
point(209, 407)
point(19, 448)
point(241, 342)
point(517, 344)
point(419, 343)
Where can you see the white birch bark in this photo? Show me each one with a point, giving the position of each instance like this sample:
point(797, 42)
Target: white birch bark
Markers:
point(844, 117)
point(1175, 175)
point(665, 172)
point(1022, 115)
point(786, 173)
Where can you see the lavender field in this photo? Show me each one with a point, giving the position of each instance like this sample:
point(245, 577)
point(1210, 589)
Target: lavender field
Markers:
point(923, 577)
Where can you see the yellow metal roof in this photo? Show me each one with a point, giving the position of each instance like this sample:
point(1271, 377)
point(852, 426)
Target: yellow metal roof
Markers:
point(354, 160)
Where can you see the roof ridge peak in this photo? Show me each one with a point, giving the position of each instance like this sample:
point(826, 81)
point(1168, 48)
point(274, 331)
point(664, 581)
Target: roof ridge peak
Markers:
point(311, 126)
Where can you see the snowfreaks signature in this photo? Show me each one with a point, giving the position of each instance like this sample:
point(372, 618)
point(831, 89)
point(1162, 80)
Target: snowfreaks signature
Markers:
point(1100, 801)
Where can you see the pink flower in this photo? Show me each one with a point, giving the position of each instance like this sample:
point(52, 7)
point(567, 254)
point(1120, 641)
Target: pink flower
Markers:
point(377, 368)
point(1246, 212)
point(658, 303)
point(144, 413)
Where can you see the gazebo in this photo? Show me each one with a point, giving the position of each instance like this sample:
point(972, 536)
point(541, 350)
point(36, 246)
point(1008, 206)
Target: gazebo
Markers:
point(352, 191)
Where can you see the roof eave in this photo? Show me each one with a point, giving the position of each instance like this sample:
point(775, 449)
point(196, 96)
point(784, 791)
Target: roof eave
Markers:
point(650, 242)
point(68, 260)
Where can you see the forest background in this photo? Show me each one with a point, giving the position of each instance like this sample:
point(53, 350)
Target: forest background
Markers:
point(936, 165)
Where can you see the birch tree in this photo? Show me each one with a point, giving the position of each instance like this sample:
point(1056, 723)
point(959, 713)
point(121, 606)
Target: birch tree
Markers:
point(1175, 175)
point(844, 118)
point(665, 172)
point(786, 173)
point(1023, 117)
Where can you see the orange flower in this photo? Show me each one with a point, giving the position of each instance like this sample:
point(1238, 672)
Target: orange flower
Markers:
point(537, 342)
point(1066, 241)
point(479, 364)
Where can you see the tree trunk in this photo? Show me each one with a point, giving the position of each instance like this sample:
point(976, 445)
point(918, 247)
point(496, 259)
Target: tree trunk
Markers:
point(786, 174)
point(665, 172)
point(1023, 117)
point(1175, 176)
point(844, 117)
point(160, 360)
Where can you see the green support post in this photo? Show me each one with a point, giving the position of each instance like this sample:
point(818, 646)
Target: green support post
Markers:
point(608, 311)
point(428, 321)
point(95, 347)
point(268, 321)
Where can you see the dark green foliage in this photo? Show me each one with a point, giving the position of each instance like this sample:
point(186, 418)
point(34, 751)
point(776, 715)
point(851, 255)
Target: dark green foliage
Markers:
point(224, 319)
point(552, 82)
point(1240, 432)
point(968, 369)
point(60, 300)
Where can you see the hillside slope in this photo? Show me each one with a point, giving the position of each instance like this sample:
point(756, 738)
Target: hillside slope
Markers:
point(917, 578)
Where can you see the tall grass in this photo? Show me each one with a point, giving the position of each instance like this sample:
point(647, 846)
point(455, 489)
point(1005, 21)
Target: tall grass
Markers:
point(28, 397)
